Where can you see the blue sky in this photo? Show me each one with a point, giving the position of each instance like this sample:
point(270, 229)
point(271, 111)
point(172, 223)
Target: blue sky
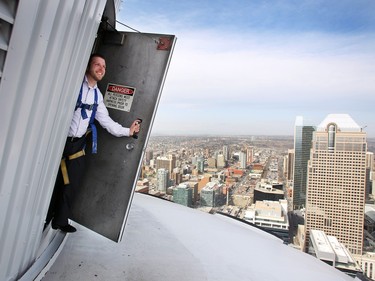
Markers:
point(250, 67)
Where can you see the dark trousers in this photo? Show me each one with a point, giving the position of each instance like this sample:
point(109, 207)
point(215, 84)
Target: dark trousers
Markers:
point(60, 207)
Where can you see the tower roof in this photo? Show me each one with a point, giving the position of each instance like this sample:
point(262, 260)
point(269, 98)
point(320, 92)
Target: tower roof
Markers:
point(343, 121)
point(222, 249)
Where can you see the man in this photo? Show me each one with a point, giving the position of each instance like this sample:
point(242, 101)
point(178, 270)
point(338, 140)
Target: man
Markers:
point(89, 106)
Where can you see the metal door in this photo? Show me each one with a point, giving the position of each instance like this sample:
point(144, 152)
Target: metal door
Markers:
point(137, 64)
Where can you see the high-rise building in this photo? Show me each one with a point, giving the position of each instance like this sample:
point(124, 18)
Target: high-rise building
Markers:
point(221, 163)
point(369, 170)
point(289, 165)
point(149, 156)
point(173, 159)
point(250, 154)
point(212, 194)
point(163, 162)
point(302, 145)
point(335, 201)
point(243, 160)
point(194, 160)
point(200, 164)
point(183, 194)
point(211, 162)
point(162, 180)
point(194, 186)
point(168, 163)
point(176, 176)
point(226, 152)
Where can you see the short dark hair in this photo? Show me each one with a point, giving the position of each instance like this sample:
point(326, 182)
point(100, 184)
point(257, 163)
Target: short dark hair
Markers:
point(94, 55)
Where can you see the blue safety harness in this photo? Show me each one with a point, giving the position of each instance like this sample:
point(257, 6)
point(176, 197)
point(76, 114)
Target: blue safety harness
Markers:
point(93, 108)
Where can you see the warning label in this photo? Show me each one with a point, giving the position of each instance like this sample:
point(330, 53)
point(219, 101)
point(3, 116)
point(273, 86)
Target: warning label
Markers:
point(119, 97)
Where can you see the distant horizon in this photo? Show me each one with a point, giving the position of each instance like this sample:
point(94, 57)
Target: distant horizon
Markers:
point(216, 135)
point(223, 136)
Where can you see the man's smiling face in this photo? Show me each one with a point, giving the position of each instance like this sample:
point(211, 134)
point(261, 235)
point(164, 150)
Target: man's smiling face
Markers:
point(96, 69)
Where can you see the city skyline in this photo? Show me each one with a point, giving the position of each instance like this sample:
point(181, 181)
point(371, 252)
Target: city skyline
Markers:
point(337, 178)
point(249, 68)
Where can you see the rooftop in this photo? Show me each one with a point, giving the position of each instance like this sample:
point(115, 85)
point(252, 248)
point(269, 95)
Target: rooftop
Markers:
point(343, 121)
point(167, 241)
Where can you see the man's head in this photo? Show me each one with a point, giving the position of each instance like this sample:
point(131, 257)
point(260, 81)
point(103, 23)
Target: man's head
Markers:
point(96, 68)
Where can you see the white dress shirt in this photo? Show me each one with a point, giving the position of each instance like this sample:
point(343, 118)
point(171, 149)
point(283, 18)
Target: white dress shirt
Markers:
point(78, 126)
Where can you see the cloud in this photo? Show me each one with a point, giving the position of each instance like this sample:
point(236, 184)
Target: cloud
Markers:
point(221, 67)
point(262, 64)
point(217, 78)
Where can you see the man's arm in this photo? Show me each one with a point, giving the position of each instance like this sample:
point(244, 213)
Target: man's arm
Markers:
point(114, 128)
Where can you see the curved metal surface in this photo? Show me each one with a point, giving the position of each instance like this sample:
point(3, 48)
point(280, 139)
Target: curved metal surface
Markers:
point(166, 241)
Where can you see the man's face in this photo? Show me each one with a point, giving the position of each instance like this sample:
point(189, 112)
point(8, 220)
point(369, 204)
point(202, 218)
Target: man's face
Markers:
point(96, 68)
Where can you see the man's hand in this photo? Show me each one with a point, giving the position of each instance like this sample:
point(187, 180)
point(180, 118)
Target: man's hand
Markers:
point(135, 127)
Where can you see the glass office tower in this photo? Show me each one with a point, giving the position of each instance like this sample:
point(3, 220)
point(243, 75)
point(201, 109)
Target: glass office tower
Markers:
point(302, 145)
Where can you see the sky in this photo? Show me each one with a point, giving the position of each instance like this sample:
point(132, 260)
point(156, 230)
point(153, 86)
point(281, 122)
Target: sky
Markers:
point(250, 67)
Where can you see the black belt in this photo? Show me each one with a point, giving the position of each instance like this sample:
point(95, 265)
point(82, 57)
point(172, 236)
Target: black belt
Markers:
point(75, 139)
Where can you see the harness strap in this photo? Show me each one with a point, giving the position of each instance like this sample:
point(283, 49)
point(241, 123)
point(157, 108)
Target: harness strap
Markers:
point(64, 169)
point(64, 172)
point(94, 148)
point(77, 154)
point(93, 108)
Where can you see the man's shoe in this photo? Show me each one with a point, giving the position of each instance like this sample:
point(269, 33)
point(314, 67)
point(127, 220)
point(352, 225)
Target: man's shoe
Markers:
point(66, 228)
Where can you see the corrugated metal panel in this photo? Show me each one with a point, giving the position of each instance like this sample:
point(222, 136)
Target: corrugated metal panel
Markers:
point(46, 58)
point(7, 14)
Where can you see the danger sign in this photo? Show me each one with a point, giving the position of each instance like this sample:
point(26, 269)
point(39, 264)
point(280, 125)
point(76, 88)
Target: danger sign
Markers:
point(119, 97)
